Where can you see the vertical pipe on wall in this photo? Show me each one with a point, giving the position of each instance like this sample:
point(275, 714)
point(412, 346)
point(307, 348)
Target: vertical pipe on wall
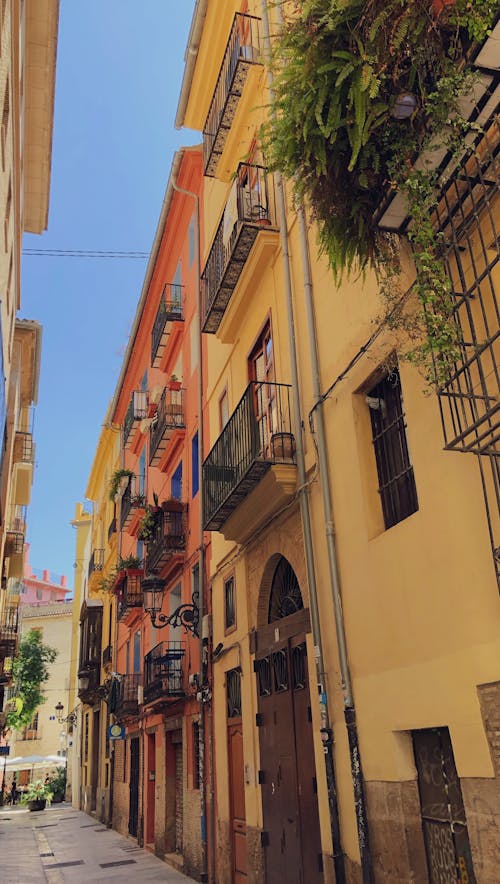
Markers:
point(338, 856)
point(201, 554)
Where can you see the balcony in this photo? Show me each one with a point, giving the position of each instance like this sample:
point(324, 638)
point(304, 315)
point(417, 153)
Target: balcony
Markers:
point(163, 673)
point(126, 701)
point(129, 590)
point(89, 665)
point(24, 449)
point(136, 412)
point(96, 561)
point(169, 418)
point(168, 541)
point(169, 311)
point(257, 437)
point(249, 211)
point(242, 51)
point(133, 499)
point(9, 625)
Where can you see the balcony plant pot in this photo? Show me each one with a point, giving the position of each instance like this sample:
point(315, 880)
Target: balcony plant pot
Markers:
point(439, 5)
point(37, 804)
point(172, 506)
point(283, 446)
point(174, 383)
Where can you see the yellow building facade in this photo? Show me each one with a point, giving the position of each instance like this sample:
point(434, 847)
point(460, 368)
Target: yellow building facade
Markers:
point(96, 632)
point(356, 615)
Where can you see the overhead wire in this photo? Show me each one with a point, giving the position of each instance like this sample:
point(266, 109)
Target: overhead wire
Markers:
point(82, 253)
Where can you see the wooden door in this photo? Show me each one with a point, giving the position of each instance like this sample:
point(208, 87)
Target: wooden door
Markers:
point(133, 812)
point(261, 370)
point(151, 788)
point(238, 825)
point(96, 726)
point(290, 808)
point(179, 804)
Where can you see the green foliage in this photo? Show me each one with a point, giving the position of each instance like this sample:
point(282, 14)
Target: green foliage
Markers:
point(30, 671)
point(57, 783)
point(148, 524)
point(37, 791)
point(128, 562)
point(339, 66)
point(114, 483)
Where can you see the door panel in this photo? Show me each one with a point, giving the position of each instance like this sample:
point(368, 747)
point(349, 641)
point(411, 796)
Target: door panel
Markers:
point(237, 800)
point(133, 787)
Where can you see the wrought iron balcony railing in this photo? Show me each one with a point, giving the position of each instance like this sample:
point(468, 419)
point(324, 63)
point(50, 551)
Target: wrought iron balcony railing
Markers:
point(137, 411)
point(169, 417)
point(170, 309)
point(127, 697)
point(96, 561)
point(107, 655)
point(163, 672)
point(250, 209)
point(130, 591)
point(9, 627)
point(24, 448)
point(169, 534)
point(133, 498)
point(242, 51)
point(257, 435)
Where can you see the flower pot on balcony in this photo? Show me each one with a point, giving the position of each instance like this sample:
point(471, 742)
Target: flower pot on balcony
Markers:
point(38, 804)
point(172, 506)
point(283, 447)
point(439, 5)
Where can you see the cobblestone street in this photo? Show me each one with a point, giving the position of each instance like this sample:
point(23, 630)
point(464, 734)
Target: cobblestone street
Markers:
point(61, 844)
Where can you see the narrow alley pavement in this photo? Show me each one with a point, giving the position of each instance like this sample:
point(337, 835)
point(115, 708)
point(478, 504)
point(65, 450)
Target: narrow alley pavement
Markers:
point(61, 844)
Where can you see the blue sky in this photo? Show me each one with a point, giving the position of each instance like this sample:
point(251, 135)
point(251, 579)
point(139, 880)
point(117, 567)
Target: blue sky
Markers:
point(119, 70)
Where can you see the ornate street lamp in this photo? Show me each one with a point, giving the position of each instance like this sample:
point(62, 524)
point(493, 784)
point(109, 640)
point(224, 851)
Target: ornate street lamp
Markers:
point(59, 708)
point(186, 615)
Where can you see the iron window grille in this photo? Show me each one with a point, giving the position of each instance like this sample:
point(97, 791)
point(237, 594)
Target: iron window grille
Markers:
point(398, 493)
point(233, 692)
point(196, 755)
point(229, 604)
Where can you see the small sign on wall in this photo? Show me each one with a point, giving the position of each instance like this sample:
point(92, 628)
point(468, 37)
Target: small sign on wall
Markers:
point(116, 732)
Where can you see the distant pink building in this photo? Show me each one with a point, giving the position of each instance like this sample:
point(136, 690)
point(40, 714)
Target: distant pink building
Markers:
point(40, 587)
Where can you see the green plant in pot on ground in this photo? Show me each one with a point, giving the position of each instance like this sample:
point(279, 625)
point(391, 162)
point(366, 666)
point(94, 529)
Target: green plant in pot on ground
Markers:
point(37, 793)
point(342, 70)
point(57, 785)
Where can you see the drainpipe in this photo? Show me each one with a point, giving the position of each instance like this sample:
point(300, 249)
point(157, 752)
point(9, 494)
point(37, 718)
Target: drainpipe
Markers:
point(201, 556)
point(349, 709)
point(326, 733)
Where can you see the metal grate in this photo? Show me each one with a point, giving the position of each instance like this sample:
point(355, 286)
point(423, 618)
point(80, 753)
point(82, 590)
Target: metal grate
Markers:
point(257, 435)
point(285, 597)
point(242, 50)
point(233, 693)
point(168, 418)
point(134, 496)
point(163, 671)
point(397, 490)
point(169, 310)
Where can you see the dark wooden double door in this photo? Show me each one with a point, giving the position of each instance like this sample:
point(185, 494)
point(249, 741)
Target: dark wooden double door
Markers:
point(291, 835)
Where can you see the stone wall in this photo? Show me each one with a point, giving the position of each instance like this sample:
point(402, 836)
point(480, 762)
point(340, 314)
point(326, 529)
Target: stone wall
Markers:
point(396, 838)
point(482, 796)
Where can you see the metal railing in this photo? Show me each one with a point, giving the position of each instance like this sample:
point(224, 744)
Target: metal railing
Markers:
point(137, 411)
point(107, 655)
point(130, 593)
point(134, 496)
point(9, 628)
point(163, 671)
point(169, 417)
point(23, 447)
point(96, 561)
point(169, 534)
point(250, 206)
point(169, 310)
point(127, 697)
point(258, 433)
point(242, 50)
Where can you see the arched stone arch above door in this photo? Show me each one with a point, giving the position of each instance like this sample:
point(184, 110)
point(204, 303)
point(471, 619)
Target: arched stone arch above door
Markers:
point(284, 541)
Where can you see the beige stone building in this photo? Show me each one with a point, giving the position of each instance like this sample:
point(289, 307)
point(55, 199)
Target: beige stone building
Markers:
point(47, 735)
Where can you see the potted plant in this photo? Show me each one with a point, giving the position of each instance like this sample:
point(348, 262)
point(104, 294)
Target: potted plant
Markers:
point(57, 784)
point(148, 524)
point(174, 383)
point(37, 796)
point(118, 483)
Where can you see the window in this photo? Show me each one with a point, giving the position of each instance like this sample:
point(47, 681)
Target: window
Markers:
point(195, 482)
point(196, 755)
point(223, 410)
point(142, 472)
point(397, 489)
point(229, 604)
point(191, 235)
point(137, 652)
point(39, 594)
point(140, 550)
point(176, 482)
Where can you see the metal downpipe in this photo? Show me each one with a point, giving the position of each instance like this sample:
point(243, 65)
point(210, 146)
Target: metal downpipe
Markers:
point(338, 855)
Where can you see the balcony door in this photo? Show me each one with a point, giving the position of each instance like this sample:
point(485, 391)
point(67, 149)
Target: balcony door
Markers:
point(261, 370)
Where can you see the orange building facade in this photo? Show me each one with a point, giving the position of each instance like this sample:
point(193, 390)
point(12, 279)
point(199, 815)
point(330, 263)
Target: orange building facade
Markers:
point(156, 783)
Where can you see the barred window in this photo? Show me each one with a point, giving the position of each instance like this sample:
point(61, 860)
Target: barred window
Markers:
point(398, 493)
point(196, 755)
point(229, 604)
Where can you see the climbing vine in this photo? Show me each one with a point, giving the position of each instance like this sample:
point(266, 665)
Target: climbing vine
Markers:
point(343, 68)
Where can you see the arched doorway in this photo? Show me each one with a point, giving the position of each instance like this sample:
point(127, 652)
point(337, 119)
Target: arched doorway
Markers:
point(291, 836)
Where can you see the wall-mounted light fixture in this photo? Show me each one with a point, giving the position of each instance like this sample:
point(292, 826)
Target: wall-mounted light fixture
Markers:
point(186, 615)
